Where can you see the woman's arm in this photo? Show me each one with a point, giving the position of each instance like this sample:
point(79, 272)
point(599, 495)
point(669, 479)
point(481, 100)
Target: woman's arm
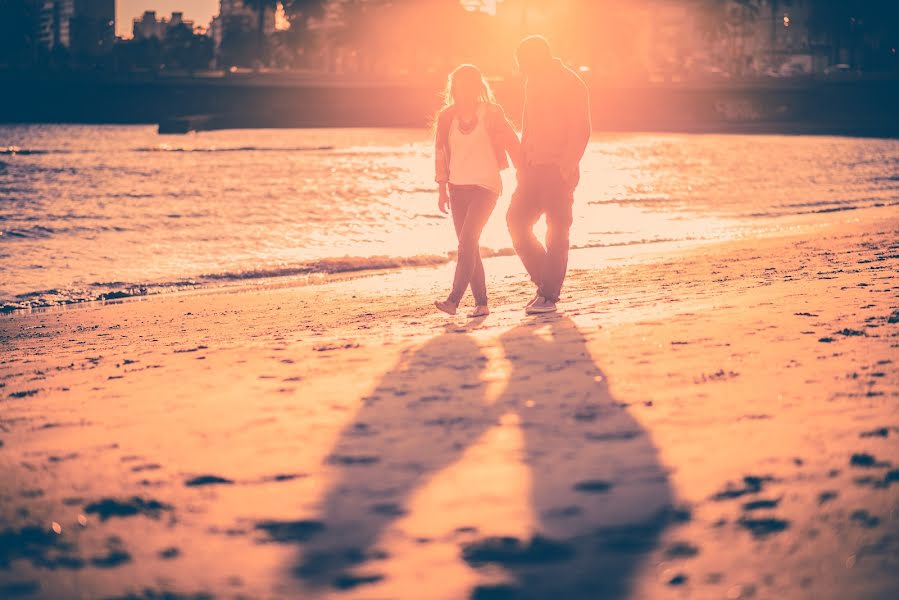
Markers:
point(441, 160)
point(441, 152)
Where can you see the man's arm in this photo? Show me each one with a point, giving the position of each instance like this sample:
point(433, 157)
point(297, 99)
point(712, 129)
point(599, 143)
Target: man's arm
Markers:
point(578, 124)
point(506, 136)
point(525, 129)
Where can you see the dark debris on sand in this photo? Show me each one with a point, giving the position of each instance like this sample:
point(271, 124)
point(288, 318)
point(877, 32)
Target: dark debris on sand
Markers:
point(827, 496)
point(284, 477)
point(592, 486)
point(169, 553)
point(207, 480)
point(285, 532)
point(512, 551)
point(879, 483)
point(351, 460)
point(866, 461)
point(129, 507)
point(681, 550)
point(879, 432)
point(39, 545)
point(113, 558)
point(752, 484)
point(761, 504)
point(151, 594)
point(851, 332)
point(865, 519)
point(760, 528)
point(388, 509)
point(347, 581)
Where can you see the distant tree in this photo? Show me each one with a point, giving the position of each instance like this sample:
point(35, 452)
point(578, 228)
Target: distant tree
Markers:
point(299, 12)
point(239, 46)
point(144, 54)
point(185, 49)
point(261, 7)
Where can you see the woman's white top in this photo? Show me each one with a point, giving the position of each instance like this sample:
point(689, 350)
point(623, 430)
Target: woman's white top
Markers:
point(472, 159)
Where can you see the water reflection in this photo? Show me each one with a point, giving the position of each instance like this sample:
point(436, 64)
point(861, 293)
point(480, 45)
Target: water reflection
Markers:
point(227, 202)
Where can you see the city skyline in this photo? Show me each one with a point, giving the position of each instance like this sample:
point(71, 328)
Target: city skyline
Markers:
point(198, 11)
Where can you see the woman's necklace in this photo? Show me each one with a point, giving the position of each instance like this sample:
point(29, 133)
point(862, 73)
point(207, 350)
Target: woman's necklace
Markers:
point(467, 126)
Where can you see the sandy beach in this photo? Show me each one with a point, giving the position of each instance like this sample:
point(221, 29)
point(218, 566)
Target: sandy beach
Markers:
point(715, 421)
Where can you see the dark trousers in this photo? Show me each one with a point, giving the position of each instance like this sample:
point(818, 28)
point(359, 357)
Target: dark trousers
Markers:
point(471, 207)
point(542, 191)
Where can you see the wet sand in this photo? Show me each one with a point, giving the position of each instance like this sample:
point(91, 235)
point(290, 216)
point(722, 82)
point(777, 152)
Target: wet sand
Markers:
point(714, 422)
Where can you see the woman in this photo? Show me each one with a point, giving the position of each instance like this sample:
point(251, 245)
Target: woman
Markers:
point(472, 141)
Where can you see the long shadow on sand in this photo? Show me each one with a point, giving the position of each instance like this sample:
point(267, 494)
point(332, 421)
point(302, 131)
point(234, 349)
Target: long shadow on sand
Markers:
point(599, 492)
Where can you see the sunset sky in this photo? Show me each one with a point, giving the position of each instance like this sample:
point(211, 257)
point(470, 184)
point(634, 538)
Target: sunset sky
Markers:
point(199, 11)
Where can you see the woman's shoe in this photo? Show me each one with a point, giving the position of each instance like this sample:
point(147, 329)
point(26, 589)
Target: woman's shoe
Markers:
point(479, 311)
point(446, 306)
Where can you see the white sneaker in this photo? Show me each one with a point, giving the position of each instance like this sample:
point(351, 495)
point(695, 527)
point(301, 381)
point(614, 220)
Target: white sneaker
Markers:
point(541, 306)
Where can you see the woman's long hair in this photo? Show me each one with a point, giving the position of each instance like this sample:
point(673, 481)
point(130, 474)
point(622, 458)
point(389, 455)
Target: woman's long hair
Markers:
point(467, 83)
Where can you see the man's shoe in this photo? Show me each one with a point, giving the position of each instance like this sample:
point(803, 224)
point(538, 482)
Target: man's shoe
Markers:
point(533, 300)
point(541, 306)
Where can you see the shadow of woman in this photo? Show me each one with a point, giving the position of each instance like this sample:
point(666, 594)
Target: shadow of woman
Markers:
point(599, 493)
point(419, 419)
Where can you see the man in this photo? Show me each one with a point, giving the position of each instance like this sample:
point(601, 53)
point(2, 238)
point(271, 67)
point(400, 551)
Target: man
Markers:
point(555, 131)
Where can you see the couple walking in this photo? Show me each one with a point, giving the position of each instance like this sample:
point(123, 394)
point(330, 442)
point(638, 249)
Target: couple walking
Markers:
point(473, 141)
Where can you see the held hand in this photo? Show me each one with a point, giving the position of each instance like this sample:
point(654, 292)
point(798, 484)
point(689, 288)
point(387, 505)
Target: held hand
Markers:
point(443, 202)
point(568, 173)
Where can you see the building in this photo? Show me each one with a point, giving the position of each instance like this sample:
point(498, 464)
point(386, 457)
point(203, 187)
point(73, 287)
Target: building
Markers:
point(54, 19)
point(147, 26)
point(770, 38)
point(84, 27)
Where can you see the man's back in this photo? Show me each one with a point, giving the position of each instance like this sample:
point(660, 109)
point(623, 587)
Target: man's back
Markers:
point(556, 122)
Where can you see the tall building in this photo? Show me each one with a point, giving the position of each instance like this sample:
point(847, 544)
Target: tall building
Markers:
point(54, 19)
point(84, 27)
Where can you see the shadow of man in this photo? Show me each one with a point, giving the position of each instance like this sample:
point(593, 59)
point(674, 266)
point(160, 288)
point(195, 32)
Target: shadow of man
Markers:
point(599, 493)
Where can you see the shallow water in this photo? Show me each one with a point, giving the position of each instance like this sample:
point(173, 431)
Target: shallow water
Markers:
point(91, 210)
